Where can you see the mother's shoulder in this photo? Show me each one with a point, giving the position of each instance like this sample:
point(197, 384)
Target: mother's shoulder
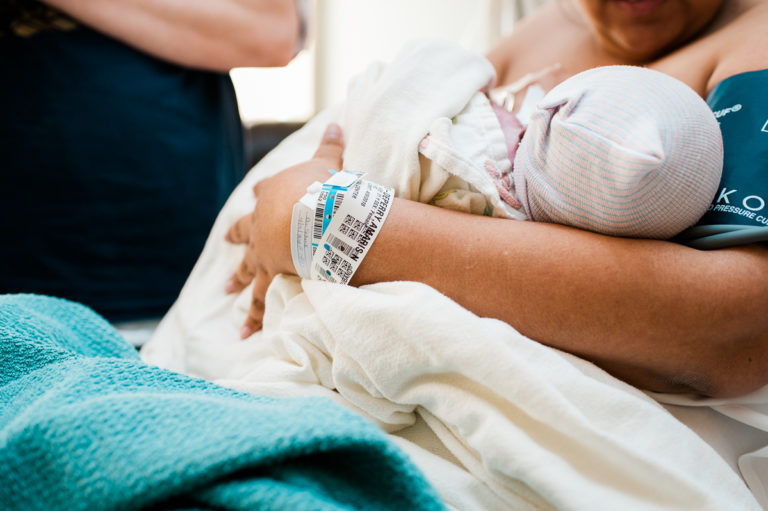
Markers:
point(741, 45)
point(734, 46)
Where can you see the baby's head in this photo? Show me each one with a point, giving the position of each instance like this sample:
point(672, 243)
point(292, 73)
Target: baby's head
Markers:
point(620, 150)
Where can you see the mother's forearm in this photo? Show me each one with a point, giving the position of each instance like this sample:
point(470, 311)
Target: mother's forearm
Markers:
point(215, 35)
point(656, 314)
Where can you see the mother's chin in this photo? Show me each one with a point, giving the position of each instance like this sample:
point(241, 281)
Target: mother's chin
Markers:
point(640, 31)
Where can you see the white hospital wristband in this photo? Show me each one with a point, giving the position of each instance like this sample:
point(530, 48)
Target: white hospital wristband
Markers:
point(305, 233)
point(302, 220)
point(358, 215)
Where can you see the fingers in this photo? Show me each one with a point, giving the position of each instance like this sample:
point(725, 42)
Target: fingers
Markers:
point(241, 231)
point(329, 153)
point(255, 317)
point(331, 147)
point(240, 279)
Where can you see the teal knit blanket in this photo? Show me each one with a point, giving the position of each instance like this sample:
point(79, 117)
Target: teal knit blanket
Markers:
point(84, 424)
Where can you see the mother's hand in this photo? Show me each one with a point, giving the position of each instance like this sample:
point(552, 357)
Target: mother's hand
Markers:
point(266, 230)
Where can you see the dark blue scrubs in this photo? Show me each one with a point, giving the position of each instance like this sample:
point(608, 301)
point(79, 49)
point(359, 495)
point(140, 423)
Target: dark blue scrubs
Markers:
point(113, 166)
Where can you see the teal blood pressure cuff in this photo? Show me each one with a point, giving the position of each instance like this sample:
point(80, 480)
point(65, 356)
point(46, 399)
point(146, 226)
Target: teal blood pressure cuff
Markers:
point(739, 211)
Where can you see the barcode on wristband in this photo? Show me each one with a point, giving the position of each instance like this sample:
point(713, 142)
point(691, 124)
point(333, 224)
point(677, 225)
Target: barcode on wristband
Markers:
point(328, 203)
point(340, 245)
point(327, 275)
point(349, 225)
point(337, 202)
point(317, 228)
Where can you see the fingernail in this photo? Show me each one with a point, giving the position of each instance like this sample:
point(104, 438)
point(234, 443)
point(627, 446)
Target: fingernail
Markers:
point(246, 332)
point(332, 132)
point(230, 287)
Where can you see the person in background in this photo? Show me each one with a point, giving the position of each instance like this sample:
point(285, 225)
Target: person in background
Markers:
point(659, 315)
point(121, 139)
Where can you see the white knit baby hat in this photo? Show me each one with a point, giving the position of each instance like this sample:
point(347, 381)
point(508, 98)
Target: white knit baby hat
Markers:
point(620, 150)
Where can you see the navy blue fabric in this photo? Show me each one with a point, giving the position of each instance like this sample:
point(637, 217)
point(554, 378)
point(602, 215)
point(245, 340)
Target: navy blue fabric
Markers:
point(113, 166)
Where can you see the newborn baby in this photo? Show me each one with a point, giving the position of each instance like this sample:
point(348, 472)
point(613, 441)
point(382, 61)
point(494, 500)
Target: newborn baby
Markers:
point(619, 150)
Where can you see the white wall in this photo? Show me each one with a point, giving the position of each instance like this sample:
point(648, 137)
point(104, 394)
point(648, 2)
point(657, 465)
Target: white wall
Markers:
point(352, 33)
point(277, 94)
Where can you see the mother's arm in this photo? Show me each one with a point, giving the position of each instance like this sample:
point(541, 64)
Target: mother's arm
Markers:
point(658, 315)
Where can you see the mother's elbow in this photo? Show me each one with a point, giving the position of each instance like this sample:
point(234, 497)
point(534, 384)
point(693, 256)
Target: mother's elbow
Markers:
point(737, 365)
point(734, 349)
point(738, 373)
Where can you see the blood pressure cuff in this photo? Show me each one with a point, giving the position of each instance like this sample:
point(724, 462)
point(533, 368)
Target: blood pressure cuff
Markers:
point(739, 211)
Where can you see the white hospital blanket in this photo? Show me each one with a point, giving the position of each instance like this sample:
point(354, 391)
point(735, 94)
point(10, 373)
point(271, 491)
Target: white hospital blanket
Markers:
point(422, 126)
point(736, 427)
point(515, 425)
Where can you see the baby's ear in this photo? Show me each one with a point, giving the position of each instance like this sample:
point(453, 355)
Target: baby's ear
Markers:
point(563, 100)
point(555, 107)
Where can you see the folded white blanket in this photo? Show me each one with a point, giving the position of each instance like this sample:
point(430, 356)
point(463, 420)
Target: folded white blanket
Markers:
point(526, 426)
point(422, 126)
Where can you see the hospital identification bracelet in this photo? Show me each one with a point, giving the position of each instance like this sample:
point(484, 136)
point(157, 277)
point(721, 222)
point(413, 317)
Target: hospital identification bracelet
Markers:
point(334, 225)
